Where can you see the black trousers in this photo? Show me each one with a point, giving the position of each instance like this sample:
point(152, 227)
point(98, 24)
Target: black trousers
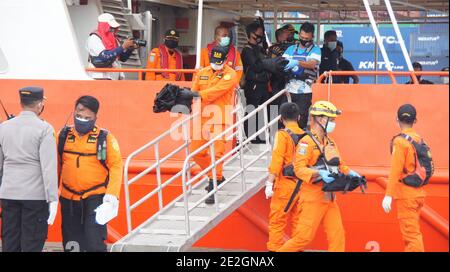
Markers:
point(80, 232)
point(303, 101)
point(255, 95)
point(24, 225)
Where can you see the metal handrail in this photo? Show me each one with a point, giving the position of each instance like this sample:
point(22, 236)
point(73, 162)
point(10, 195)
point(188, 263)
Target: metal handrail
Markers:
point(154, 143)
point(381, 73)
point(242, 143)
point(140, 71)
point(157, 165)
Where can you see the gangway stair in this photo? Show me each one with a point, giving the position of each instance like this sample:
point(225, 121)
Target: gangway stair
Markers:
point(179, 224)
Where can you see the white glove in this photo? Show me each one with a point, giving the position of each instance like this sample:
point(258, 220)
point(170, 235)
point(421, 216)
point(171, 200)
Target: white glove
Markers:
point(52, 210)
point(111, 199)
point(387, 201)
point(269, 189)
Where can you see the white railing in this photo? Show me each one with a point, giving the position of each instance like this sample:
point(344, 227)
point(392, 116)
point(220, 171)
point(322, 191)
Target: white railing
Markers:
point(187, 181)
point(238, 150)
point(155, 144)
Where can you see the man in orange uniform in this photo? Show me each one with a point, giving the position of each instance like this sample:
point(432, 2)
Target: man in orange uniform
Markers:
point(222, 38)
point(282, 156)
point(409, 199)
point(91, 175)
point(316, 158)
point(166, 56)
point(215, 86)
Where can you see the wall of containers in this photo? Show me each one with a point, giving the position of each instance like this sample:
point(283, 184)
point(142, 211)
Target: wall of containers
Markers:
point(427, 44)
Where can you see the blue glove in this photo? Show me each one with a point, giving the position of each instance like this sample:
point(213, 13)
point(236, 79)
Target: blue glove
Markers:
point(354, 174)
point(324, 174)
point(291, 64)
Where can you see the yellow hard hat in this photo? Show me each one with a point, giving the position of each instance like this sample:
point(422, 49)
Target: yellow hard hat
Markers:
point(324, 108)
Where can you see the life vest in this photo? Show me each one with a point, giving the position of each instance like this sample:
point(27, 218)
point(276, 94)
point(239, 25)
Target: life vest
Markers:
point(96, 60)
point(424, 169)
point(100, 154)
point(164, 54)
point(329, 159)
point(231, 57)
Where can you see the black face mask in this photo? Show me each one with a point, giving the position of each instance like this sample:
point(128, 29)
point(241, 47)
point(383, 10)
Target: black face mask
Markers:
point(305, 43)
point(171, 44)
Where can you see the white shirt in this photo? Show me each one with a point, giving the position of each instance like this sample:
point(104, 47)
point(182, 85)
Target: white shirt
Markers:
point(94, 46)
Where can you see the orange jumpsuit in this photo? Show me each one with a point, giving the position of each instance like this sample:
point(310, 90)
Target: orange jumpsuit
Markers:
point(80, 173)
point(216, 89)
point(409, 200)
point(154, 62)
point(316, 206)
point(238, 67)
point(282, 155)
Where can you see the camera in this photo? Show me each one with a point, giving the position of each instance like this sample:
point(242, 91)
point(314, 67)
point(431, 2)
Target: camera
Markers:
point(140, 42)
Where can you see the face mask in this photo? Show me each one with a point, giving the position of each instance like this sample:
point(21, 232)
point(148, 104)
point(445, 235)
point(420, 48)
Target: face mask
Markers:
point(224, 41)
point(444, 80)
point(217, 67)
point(259, 39)
point(171, 44)
point(42, 110)
point(332, 45)
point(305, 43)
point(331, 126)
point(83, 126)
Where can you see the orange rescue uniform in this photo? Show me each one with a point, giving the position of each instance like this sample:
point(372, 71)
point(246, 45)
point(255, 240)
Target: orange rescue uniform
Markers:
point(282, 155)
point(216, 89)
point(409, 200)
point(316, 206)
point(81, 173)
point(154, 62)
point(237, 65)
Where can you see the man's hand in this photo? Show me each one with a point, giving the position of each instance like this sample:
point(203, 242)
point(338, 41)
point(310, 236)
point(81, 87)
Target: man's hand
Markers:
point(128, 43)
point(52, 210)
point(269, 189)
point(111, 199)
point(291, 64)
point(386, 204)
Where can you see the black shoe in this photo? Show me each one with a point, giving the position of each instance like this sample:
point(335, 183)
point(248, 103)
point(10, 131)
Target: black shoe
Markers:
point(210, 200)
point(210, 185)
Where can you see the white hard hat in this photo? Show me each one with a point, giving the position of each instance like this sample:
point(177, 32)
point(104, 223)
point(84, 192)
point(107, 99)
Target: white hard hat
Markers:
point(108, 18)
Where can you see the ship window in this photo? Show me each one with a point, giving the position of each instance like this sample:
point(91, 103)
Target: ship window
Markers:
point(3, 62)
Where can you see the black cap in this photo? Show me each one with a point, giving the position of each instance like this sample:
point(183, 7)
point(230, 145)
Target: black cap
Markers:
point(172, 33)
point(290, 27)
point(406, 113)
point(31, 93)
point(218, 55)
point(89, 102)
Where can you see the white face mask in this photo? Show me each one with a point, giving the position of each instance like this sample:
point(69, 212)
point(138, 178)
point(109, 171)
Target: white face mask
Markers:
point(444, 80)
point(217, 67)
point(331, 126)
point(224, 41)
point(332, 45)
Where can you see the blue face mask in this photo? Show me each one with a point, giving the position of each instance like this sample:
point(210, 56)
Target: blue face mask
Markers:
point(224, 41)
point(83, 126)
point(331, 126)
point(332, 45)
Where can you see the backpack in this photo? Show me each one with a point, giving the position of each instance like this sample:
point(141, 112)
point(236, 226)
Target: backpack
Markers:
point(424, 169)
point(101, 146)
point(288, 170)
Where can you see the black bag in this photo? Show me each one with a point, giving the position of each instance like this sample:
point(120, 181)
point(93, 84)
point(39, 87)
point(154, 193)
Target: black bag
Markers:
point(424, 169)
point(166, 98)
point(344, 183)
point(183, 102)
